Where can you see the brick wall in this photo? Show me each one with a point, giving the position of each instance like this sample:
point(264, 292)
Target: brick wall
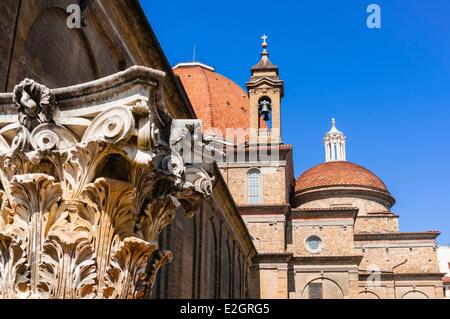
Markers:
point(389, 254)
point(268, 233)
point(372, 224)
point(273, 282)
point(273, 184)
point(208, 259)
point(337, 239)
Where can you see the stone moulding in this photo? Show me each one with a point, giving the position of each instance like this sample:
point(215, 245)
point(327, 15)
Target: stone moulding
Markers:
point(88, 182)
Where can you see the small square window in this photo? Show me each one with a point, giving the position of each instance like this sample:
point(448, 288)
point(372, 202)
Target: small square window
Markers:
point(315, 290)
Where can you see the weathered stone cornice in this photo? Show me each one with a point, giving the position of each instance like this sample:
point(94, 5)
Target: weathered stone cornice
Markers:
point(430, 235)
point(343, 191)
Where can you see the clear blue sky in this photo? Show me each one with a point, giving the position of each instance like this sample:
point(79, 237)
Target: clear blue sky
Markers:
point(389, 89)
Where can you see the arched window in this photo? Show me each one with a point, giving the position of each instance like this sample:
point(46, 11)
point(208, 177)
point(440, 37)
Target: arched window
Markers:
point(254, 186)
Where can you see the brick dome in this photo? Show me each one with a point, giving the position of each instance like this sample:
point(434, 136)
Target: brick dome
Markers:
point(217, 101)
point(340, 173)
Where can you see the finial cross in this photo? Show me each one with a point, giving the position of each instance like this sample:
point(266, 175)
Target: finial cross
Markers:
point(264, 38)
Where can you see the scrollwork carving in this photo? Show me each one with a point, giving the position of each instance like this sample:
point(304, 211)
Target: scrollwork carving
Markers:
point(172, 165)
point(22, 140)
point(52, 137)
point(198, 185)
point(115, 126)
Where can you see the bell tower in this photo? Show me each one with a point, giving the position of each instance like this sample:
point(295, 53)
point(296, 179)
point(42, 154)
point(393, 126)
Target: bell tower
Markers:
point(266, 91)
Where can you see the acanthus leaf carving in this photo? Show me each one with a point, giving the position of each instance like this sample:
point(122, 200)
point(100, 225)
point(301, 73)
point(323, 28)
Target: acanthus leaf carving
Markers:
point(158, 214)
point(111, 209)
point(68, 267)
point(36, 209)
point(158, 260)
point(127, 278)
point(79, 170)
point(13, 269)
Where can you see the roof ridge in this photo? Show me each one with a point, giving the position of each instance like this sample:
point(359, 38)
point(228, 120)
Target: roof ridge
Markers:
point(208, 87)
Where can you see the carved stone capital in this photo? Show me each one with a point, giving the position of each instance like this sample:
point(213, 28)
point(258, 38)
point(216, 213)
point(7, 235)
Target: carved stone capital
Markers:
point(86, 191)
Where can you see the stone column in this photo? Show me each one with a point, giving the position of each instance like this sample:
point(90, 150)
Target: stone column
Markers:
point(333, 150)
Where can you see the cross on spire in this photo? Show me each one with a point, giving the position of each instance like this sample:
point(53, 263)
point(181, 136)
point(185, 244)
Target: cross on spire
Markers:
point(264, 38)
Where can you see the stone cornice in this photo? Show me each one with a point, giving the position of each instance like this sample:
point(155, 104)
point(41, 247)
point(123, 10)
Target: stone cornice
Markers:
point(403, 276)
point(324, 213)
point(264, 209)
point(431, 235)
point(273, 258)
point(257, 81)
point(327, 260)
point(381, 215)
point(343, 191)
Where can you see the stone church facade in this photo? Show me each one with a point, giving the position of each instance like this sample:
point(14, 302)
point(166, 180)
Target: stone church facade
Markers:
point(96, 201)
point(331, 232)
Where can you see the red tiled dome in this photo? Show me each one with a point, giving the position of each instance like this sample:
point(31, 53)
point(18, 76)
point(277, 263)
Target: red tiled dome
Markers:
point(217, 101)
point(339, 174)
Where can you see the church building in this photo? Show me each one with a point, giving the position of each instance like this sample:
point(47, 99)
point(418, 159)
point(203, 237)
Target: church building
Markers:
point(330, 232)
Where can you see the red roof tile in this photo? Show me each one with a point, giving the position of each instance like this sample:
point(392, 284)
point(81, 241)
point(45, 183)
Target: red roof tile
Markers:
point(218, 102)
point(339, 174)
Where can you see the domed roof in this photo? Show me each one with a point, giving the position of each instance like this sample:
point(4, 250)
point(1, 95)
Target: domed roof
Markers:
point(217, 101)
point(340, 173)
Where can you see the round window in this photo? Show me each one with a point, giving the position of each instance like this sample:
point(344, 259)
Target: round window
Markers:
point(314, 244)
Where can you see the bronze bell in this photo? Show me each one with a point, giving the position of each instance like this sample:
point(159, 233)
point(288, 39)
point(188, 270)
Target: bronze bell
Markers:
point(265, 109)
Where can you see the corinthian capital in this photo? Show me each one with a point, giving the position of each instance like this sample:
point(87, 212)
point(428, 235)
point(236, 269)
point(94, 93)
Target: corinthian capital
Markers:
point(86, 190)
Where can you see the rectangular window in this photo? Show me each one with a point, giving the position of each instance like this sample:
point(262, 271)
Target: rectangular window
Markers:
point(254, 187)
point(315, 291)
